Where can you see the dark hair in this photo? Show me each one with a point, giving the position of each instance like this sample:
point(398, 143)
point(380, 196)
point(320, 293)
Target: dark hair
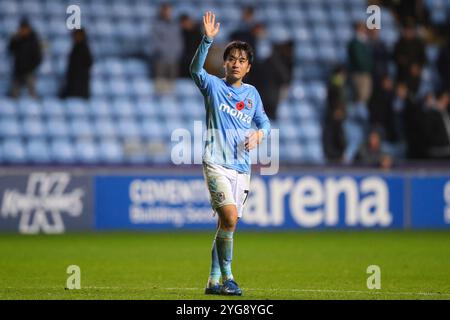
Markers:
point(240, 46)
point(441, 92)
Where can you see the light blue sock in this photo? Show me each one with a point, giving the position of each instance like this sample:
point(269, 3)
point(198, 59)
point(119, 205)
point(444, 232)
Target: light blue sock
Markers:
point(214, 276)
point(224, 244)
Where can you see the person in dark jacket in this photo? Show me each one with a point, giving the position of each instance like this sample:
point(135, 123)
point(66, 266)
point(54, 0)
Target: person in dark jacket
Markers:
point(381, 113)
point(333, 137)
point(410, 57)
point(192, 35)
point(443, 65)
point(360, 58)
point(437, 119)
point(25, 49)
point(273, 76)
point(78, 67)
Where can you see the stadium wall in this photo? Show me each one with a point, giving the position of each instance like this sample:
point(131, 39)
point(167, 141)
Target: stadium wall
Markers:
point(58, 201)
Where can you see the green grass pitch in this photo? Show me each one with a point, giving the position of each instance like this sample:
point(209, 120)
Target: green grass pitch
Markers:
point(267, 265)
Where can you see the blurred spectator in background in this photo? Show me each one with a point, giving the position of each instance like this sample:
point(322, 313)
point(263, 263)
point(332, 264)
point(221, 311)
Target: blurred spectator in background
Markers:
point(251, 36)
point(243, 31)
point(409, 56)
point(372, 153)
point(361, 63)
point(167, 46)
point(404, 10)
point(437, 118)
point(410, 126)
point(79, 65)
point(273, 76)
point(192, 35)
point(333, 137)
point(443, 65)
point(381, 57)
point(381, 114)
point(26, 51)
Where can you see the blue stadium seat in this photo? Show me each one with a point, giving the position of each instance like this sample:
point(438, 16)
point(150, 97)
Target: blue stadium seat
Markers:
point(118, 87)
point(305, 52)
point(141, 87)
point(192, 108)
point(80, 127)
point(7, 107)
point(9, 127)
point(291, 151)
point(61, 46)
point(105, 128)
point(322, 34)
point(86, 151)
point(294, 14)
point(313, 152)
point(146, 108)
point(316, 91)
point(128, 129)
point(98, 87)
point(186, 88)
point(279, 33)
point(13, 151)
point(328, 53)
point(47, 86)
point(55, 29)
point(122, 108)
point(77, 107)
point(338, 16)
point(10, 8)
point(100, 107)
point(311, 130)
point(62, 151)
point(135, 68)
point(168, 107)
point(37, 151)
point(273, 13)
point(151, 128)
point(53, 107)
point(304, 111)
point(110, 151)
point(57, 127)
point(290, 130)
point(316, 15)
point(33, 127)
point(114, 67)
point(29, 107)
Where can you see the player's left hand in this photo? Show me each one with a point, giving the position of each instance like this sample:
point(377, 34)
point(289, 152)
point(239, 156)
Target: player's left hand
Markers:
point(253, 139)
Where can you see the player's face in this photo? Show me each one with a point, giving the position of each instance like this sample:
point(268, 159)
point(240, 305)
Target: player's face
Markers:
point(236, 65)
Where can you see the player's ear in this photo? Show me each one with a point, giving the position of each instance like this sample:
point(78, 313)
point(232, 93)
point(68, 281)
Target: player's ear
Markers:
point(248, 68)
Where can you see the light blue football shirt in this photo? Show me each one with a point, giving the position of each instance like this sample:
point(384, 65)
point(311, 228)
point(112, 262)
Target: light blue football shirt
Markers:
point(230, 112)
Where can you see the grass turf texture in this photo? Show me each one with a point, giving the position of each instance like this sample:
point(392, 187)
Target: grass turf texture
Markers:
point(291, 265)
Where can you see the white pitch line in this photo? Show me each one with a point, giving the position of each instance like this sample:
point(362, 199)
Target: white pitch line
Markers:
point(334, 291)
point(256, 289)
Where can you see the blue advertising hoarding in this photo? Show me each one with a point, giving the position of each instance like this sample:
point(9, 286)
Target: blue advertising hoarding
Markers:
point(57, 202)
point(280, 202)
point(45, 202)
point(430, 202)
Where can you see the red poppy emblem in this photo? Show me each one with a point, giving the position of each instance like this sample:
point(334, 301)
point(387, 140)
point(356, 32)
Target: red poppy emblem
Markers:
point(240, 105)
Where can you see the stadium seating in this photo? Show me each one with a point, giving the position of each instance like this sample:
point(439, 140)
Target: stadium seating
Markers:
point(124, 106)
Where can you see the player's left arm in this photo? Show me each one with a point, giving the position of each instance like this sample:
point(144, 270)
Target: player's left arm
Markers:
point(262, 123)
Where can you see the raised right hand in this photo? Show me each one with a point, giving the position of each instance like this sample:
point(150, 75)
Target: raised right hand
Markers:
point(211, 28)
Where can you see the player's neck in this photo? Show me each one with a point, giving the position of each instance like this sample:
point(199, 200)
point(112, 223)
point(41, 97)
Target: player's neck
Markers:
point(235, 83)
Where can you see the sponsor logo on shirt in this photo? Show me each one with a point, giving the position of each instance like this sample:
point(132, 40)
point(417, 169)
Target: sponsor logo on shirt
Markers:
point(235, 113)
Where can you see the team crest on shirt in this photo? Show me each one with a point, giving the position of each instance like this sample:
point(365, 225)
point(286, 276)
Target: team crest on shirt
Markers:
point(249, 103)
point(220, 196)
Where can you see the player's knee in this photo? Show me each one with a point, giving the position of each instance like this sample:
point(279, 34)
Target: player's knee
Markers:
point(229, 222)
